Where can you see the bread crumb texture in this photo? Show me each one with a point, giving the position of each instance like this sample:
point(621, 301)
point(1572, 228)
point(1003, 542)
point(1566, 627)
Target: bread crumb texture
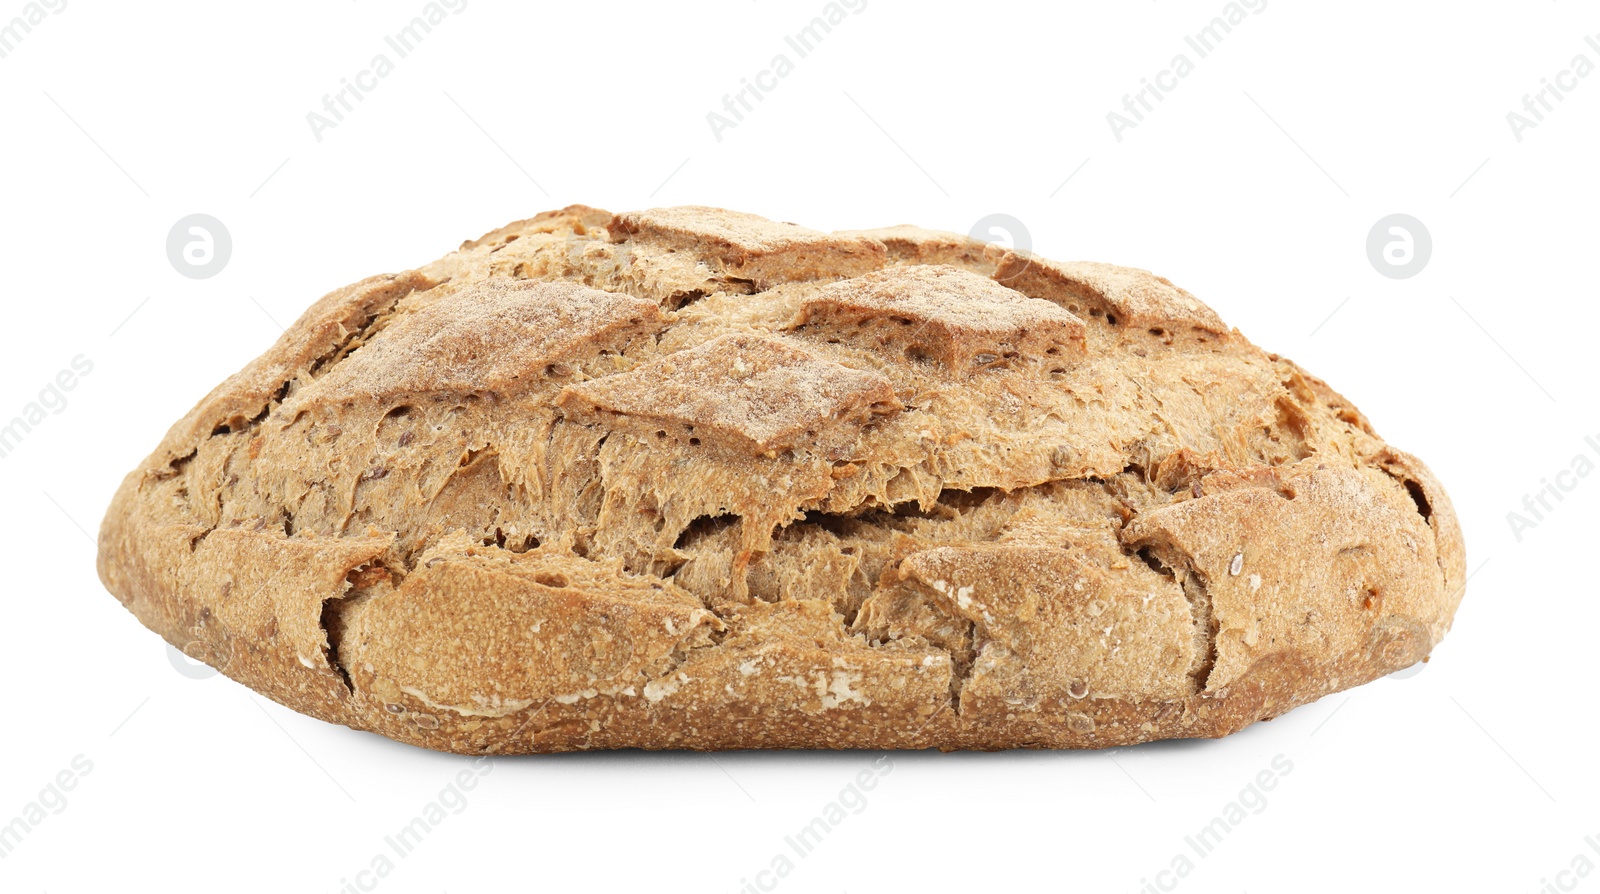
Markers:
point(690, 478)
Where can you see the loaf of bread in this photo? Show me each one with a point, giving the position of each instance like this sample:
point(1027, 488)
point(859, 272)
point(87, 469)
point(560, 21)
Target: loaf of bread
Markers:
point(690, 478)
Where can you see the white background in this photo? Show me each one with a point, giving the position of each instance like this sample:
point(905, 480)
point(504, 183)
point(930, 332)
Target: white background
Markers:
point(1253, 184)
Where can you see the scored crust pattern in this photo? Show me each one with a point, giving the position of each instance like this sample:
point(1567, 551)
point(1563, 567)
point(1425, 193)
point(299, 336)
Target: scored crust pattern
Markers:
point(690, 478)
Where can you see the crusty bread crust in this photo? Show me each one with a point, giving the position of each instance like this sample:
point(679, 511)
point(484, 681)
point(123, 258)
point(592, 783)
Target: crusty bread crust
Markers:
point(687, 478)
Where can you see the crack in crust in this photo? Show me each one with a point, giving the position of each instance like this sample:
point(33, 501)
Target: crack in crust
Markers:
point(686, 478)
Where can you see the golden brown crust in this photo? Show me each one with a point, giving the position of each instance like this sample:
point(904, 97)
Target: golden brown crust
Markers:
point(687, 478)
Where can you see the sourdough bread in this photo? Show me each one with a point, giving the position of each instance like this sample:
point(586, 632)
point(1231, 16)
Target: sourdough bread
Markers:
point(689, 478)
